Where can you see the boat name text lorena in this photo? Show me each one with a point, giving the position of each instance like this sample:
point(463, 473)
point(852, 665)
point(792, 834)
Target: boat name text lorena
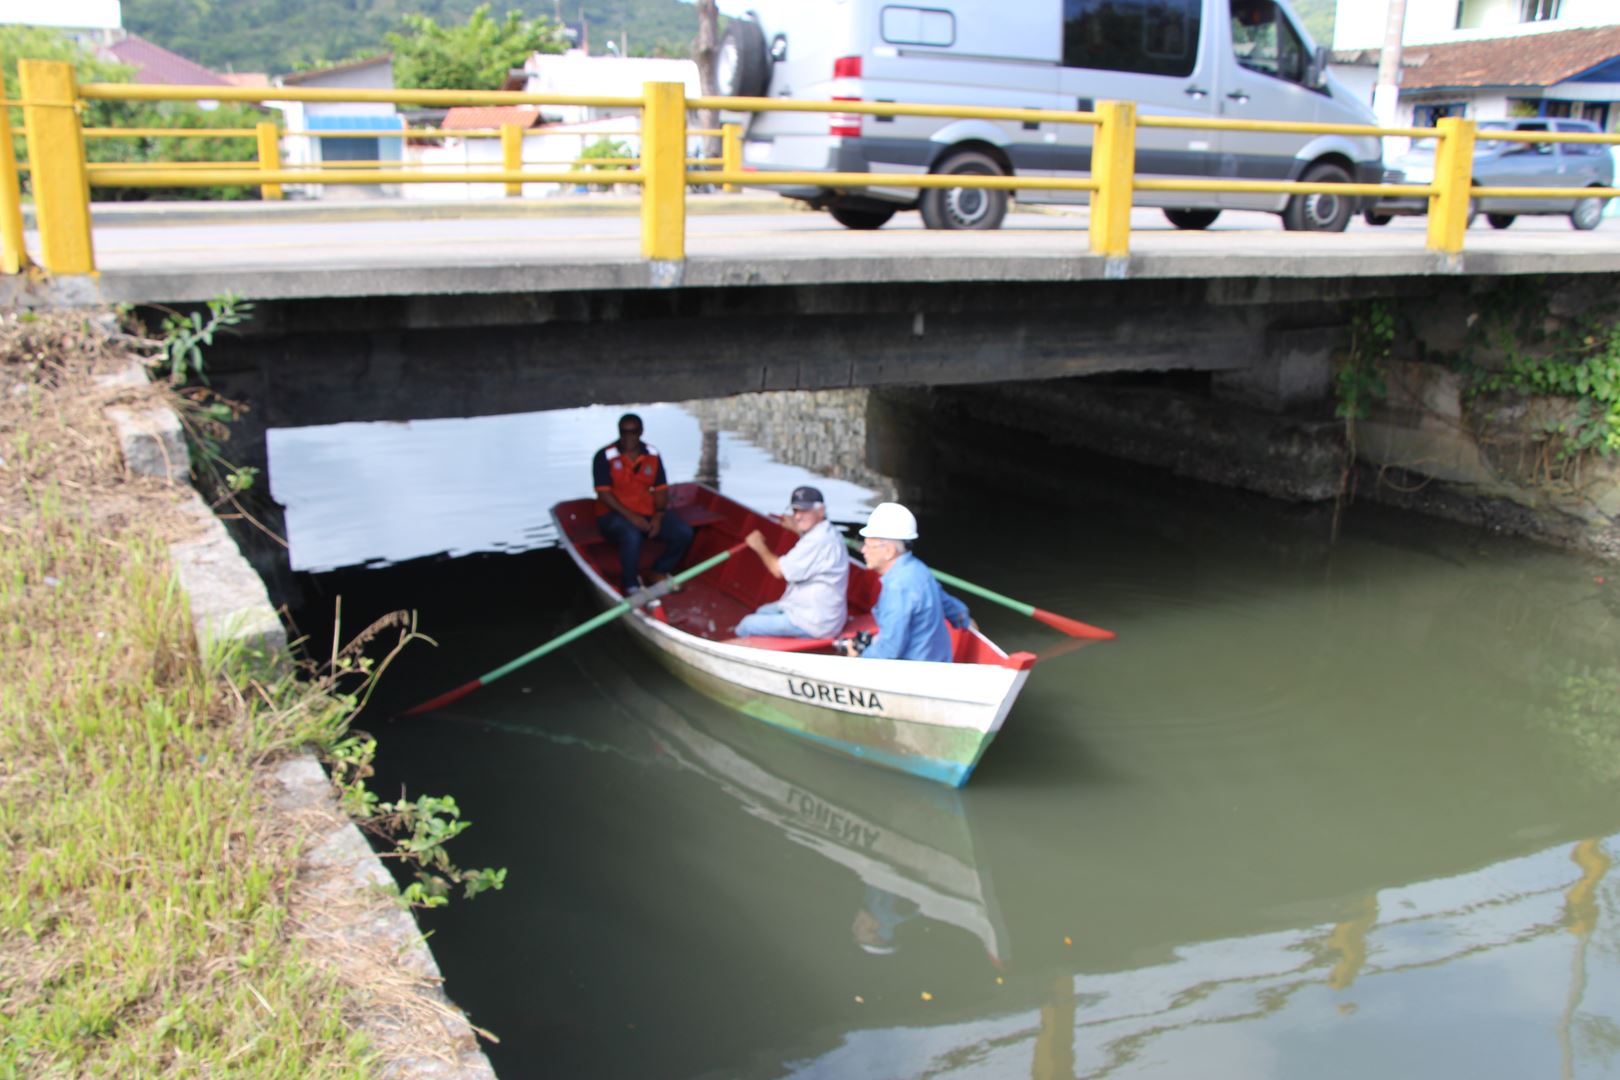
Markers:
point(837, 695)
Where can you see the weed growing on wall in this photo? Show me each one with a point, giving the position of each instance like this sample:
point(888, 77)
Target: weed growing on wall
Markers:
point(1583, 367)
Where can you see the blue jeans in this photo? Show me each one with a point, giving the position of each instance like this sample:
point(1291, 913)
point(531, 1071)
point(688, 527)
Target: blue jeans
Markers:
point(673, 531)
point(769, 621)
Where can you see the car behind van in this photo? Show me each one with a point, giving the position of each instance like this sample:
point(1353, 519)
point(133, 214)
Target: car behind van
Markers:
point(1512, 164)
point(1198, 59)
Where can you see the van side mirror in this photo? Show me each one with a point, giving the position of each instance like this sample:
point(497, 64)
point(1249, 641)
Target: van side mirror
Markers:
point(1316, 70)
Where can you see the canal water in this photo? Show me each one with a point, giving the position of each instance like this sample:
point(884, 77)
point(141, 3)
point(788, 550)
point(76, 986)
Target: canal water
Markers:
point(1324, 809)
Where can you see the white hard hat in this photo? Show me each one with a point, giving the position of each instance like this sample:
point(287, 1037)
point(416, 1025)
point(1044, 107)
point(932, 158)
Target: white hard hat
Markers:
point(891, 521)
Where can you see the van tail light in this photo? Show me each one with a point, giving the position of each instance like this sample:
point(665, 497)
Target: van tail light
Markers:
point(845, 67)
point(844, 123)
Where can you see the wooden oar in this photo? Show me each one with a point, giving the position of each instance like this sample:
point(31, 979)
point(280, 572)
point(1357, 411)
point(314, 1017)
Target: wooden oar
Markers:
point(1072, 627)
point(635, 600)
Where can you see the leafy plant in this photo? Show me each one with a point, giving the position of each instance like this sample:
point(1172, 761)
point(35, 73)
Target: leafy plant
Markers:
point(1360, 378)
point(185, 335)
point(602, 154)
point(1585, 370)
point(476, 55)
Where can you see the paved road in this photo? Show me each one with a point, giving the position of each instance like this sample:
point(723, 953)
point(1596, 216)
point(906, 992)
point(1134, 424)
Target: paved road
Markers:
point(285, 256)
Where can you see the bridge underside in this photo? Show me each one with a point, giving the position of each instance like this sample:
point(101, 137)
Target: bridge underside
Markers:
point(320, 361)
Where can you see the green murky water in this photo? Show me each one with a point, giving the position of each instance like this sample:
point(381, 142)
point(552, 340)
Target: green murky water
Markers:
point(1322, 810)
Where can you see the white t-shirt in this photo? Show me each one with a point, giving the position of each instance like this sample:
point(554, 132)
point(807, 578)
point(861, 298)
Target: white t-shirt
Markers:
point(817, 573)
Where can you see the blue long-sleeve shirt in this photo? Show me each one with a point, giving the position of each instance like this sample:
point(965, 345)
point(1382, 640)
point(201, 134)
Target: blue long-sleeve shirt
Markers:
point(911, 613)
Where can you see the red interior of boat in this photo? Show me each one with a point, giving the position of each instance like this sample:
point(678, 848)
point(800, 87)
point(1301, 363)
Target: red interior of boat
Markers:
point(712, 604)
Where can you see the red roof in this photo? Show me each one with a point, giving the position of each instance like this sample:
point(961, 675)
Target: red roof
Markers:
point(474, 117)
point(1524, 60)
point(156, 66)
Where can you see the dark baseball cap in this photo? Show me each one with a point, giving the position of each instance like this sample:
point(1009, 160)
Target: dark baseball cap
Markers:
point(806, 498)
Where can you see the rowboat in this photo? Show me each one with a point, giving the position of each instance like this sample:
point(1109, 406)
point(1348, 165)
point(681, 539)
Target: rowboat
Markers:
point(933, 720)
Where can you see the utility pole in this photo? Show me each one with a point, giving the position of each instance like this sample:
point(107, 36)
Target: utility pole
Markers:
point(1386, 95)
point(703, 51)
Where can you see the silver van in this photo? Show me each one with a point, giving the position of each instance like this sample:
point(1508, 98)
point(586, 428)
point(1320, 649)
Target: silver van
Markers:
point(1233, 59)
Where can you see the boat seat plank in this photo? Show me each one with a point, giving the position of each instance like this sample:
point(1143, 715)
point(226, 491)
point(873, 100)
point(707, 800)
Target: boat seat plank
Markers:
point(799, 645)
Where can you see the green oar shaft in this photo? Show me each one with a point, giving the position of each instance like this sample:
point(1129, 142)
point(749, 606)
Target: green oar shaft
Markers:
point(979, 590)
point(1072, 627)
point(603, 619)
point(575, 634)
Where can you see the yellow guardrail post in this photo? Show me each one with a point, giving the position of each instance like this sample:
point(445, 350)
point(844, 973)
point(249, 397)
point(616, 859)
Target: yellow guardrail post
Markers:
point(269, 157)
point(56, 158)
point(663, 168)
point(512, 156)
point(1453, 178)
point(1113, 166)
point(13, 255)
point(731, 152)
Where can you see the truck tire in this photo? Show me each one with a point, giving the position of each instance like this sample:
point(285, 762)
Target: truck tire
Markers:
point(741, 65)
point(1192, 219)
point(1376, 220)
point(860, 218)
point(965, 208)
point(1500, 221)
point(1319, 213)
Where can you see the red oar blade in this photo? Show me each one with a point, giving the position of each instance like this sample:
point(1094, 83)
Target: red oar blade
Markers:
point(444, 699)
point(1073, 627)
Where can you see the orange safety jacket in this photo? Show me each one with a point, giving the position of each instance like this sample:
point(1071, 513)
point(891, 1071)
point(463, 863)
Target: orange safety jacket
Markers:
point(632, 480)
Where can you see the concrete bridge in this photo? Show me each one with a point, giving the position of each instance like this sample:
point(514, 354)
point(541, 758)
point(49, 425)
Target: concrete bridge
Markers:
point(433, 316)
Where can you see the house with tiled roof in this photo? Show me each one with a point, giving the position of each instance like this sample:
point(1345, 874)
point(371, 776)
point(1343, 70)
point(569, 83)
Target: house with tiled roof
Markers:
point(1490, 59)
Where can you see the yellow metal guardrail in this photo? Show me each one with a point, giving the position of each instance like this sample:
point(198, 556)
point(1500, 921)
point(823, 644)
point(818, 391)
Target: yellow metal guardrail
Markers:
point(62, 178)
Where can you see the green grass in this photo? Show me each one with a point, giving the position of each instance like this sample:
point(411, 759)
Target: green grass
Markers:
point(143, 891)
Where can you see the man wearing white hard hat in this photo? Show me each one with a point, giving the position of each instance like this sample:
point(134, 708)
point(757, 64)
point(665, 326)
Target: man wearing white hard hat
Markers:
point(912, 609)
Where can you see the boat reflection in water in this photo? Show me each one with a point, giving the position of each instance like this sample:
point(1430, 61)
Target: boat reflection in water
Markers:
point(910, 843)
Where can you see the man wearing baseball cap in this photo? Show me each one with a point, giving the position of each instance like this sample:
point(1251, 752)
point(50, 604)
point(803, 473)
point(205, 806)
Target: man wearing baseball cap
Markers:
point(912, 609)
point(816, 570)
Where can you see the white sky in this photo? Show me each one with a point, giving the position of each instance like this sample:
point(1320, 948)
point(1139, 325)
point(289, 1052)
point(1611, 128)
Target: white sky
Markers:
point(73, 14)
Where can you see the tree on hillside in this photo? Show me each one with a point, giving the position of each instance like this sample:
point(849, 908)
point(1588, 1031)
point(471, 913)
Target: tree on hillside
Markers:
point(473, 56)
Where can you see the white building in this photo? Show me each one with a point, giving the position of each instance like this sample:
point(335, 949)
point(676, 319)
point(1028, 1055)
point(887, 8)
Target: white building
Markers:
point(1489, 59)
point(574, 72)
point(1359, 24)
point(304, 151)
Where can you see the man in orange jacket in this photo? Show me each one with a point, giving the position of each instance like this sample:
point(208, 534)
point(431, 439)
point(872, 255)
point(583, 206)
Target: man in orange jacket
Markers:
point(632, 496)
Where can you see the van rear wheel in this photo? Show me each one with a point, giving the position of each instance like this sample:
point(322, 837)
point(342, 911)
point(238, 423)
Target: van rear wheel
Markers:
point(1324, 212)
point(965, 208)
point(1192, 219)
point(853, 218)
point(1500, 221)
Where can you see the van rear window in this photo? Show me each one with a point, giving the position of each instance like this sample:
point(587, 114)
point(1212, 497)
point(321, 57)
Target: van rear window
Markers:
point(1150, 37)
point(918, 26)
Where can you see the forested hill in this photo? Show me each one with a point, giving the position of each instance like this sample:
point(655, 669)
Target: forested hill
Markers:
point(279, 36)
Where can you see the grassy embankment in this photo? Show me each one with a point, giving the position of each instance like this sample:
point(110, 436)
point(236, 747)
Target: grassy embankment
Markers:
point(144, 889)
